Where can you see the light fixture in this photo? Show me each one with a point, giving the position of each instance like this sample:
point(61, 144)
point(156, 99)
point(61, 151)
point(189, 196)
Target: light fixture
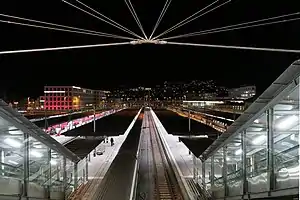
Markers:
point(14, 131)
point(287, 122)
point(13, 162)
point(238, 152)
point(39, 146)
point(259, 140)
point(12, 143)
point(36, 154)
point(256, 121)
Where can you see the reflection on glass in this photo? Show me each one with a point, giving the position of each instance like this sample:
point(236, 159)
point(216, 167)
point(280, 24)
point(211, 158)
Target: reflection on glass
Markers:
point(39, 168)
point(208, 174)
point(234, 166)
point(11, 158)
point(256, 155)
point(286, 141)
point(218, 187)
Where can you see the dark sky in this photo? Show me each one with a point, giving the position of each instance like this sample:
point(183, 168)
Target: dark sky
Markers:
point(25, 74)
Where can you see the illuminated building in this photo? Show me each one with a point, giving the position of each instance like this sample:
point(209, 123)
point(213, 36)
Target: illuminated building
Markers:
point(71, 97)
point(245, 92)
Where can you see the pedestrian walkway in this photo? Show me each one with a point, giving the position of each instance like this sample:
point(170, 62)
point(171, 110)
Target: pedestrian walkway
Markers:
point(98, 165)
point(178, 149)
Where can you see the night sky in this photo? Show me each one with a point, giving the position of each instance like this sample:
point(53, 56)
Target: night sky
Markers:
point(106, 67)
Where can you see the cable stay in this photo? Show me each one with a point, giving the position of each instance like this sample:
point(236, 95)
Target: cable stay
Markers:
point(193, 17)
point(136, 18)
point(63, 48)
point(95, 16)
point(235, 47)
point(109, 19)
point(63, 27)
point(163, 12)
point(66, 30)
point(239, 26)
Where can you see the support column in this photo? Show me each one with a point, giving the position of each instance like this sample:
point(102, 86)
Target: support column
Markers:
point(270, 150)
point(225, 171)
point(244, 162)
point(212, 171)
point(26, 166)
point(195, 169)
point(75, 175)
point(65, 178)
point(2, 156)
point(87, 169)
point(49, 174)
point(203, 174)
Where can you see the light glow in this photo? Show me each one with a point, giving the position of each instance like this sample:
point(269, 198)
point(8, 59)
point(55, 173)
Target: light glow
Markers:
point(12, 143)
point(55, 92)
point(238, 152)
point(13, 162)
point(287, 122)
point(259, 140)
point(53, 162)
point(36, 154)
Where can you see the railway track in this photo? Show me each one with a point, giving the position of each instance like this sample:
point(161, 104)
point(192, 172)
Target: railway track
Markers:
point(165, 183)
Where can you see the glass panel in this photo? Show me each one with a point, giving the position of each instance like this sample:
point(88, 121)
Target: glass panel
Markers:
point(39, 168)
point(56, 173)
point(208, 174)
point(234, 166)
point(218, 187)
point(286, 141)
point(81, 171)
point(256, 155)
point(11, 159)
point(70, 176)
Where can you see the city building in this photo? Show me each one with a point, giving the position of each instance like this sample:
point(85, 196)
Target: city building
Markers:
point(244, 92)
point(71, 97)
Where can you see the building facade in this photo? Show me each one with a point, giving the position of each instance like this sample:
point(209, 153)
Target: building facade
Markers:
point(71, 97)
point(244, 92)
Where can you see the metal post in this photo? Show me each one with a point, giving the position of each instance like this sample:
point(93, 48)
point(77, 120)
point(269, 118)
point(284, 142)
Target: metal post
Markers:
point(244, 162)
point(195, 170)
point(26, 166)
point(203, 174)
point(2, 156)
point(65, 178)
point(189, 127)
point(189, 122)
point(212, 171)
point(225, 171)
point(87, 169)
point(94, 120)
point(270, 150)
point(49, 174)
point(75, 175)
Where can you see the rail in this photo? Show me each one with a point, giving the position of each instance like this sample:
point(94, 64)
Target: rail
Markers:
point(166, 185)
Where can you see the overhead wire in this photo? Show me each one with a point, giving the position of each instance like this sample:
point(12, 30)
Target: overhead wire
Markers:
point(65, 30)
point(63, 48)
point(109, 19)
point(163, 12)
point(135, 16)
point(235, 47)
point(95, 16)
point(193, 17)
point(63, 27)
point(239, 26)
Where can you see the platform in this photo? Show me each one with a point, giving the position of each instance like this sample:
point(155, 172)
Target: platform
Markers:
point(98, 165)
